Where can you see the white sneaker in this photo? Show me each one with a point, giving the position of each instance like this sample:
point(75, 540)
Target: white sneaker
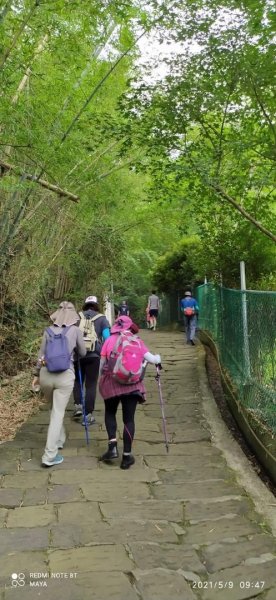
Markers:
point(51, 463)
point(78, 411)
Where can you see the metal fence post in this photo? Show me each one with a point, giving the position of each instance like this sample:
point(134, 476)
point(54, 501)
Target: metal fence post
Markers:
point(244, 321)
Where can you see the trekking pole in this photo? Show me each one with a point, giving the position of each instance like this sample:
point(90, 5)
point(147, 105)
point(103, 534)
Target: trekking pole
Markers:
point(157, 377)
point(83, 404)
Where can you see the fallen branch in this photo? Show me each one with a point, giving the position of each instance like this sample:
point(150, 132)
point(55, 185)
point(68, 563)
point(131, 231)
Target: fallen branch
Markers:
point(49, 186)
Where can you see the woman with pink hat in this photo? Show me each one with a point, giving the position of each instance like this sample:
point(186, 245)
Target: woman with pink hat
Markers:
point(115, 392)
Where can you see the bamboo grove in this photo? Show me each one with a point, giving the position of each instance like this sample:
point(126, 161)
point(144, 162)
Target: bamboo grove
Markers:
point(112, 168)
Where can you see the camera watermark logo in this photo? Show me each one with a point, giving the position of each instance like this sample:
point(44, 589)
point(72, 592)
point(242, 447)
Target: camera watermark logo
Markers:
point(18, 579)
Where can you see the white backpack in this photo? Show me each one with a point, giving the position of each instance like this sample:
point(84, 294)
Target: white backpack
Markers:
point(88, 329)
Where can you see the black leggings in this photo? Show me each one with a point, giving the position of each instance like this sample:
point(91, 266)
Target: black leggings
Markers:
point(129, 403)
point(89, 373)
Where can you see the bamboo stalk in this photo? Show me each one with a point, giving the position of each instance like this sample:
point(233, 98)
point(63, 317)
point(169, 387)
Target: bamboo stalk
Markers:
point(17, 35)
point(49, 186)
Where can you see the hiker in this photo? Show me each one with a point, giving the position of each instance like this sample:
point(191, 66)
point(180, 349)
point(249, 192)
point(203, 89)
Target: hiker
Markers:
point(117, 368)
point(190, 310)
point(56, 375)
point(123, 309)
point(96, 329)
point(153, 307)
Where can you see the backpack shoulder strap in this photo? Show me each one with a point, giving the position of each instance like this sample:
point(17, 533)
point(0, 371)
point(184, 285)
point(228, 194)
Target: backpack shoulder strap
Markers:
point(65, 329)
point(96, 317)
point(117, 343)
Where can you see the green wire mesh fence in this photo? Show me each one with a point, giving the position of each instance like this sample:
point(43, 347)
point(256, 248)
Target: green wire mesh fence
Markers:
point(243, 326)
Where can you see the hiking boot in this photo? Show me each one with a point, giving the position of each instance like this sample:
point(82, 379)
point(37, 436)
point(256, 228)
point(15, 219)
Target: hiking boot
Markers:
point(77, 411)
point(127, 461)
point(51, 463)
point(111, 453)
point(90, 420)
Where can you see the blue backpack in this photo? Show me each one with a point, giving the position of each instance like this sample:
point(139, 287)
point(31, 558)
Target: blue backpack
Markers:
point(57, 355)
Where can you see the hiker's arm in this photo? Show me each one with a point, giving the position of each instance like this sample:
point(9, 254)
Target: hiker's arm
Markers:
point(154, 359)
point(40, 357)
point(106, 333)
point(80, 345)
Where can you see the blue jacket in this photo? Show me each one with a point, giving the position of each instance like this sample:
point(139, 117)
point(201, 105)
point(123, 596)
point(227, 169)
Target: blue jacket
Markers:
point(189, 302)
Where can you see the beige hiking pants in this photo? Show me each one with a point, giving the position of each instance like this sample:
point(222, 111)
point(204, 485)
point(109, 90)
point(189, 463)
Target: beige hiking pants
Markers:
point(57, 388)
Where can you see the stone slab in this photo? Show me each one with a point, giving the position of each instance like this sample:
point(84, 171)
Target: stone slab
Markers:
point(192, 474)
point(201, 449)
point(9, 466)
point(34, 496)
point(3, 516)
point(26, 480)
point(22, 562)
point(221, 556)
point(116, 475)
point(168, 556)
point(75, 462)
point(195, 490)
point(255, 575)
point(19, 539)
point(192, 462)
point(72, 476)
point(80, 435)
point(103, 473)
point(116, 532)
point(64, 493)
point(91, 450)
point(90, 558)
point(216, 531)
point(75, 512)
point(10, 497)
point(192, 434)
point(143, 425)
point(123, 492)
point(32, 464)
point(161, 585)
point(31, 516)
point(151, 510)
point(202, 511)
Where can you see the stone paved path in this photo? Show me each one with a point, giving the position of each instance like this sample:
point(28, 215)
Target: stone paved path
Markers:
point(174, 527)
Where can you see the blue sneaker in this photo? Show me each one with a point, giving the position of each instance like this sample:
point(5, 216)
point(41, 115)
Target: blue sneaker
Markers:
point(51, 463)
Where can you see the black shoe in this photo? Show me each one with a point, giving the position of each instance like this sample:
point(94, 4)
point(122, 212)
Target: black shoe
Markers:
point(111, 453)
point(127, 461)
point(192, 343)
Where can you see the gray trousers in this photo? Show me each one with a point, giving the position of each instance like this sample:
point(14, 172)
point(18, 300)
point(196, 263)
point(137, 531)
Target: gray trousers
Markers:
point(190, 327)
point(57, 389)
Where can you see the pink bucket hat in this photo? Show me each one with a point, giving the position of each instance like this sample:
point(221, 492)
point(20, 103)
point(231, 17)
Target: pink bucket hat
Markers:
point(122, 324)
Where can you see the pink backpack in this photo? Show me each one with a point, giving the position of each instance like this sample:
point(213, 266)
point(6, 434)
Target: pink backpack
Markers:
point(126, 361)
